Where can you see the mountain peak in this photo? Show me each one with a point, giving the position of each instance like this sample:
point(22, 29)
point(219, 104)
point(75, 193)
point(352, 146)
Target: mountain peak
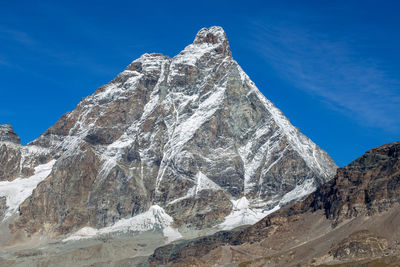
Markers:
point(214, 35)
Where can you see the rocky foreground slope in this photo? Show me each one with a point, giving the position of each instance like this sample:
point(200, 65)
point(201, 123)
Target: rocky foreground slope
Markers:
point(352, 220)
point(188, 139)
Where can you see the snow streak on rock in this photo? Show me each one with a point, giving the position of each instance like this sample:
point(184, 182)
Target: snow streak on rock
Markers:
point(202, 183)
point(243, 214)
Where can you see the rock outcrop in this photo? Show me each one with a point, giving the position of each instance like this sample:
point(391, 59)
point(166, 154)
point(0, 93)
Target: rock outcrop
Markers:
point(190, 133)
point(354, 217)
point(10, 154)
point(7, 134)
point(17, 160)
point(368, 185)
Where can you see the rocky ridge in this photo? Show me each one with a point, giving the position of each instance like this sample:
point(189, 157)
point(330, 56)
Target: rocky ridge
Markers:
point(191, 134)
point(7, 134)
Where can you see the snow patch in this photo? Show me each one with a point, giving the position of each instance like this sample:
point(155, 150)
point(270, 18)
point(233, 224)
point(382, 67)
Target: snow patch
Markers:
point(19, 189)
point(202, 183)
point(243, 214)
point(299, 192)
point(192, 53)
point(153, 219)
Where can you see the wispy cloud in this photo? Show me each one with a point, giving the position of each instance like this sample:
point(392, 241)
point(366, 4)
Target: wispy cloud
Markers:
point(333, 71)
point(16, 36)
point(35, 49)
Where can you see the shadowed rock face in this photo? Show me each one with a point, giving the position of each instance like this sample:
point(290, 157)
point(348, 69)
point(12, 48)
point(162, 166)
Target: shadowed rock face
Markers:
point(188, 133)
point(355, 216)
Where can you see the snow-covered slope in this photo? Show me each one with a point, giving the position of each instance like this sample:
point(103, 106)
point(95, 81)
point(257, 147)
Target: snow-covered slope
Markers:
point(155, 219)
point(191, 134)
point(19, 189)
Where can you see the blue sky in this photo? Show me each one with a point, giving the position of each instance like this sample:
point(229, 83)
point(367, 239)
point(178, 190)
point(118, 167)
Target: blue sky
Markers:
point(332, 67)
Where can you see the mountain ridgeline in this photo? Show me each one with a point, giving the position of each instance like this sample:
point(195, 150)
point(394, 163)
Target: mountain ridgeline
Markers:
point(190, 137)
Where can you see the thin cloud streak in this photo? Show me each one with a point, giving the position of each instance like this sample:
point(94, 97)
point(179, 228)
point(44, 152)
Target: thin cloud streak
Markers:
point(333, 72)
point(40, 50)
point(16, 36)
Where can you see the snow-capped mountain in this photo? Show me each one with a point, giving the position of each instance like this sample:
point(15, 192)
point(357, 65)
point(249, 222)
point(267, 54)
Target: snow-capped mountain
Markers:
point(189, 136)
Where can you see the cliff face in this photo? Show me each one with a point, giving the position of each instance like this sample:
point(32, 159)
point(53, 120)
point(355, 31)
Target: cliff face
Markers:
point(368, 185)
point(354, 218)
point(10, 155)
point(191, 134)
point(15, 159)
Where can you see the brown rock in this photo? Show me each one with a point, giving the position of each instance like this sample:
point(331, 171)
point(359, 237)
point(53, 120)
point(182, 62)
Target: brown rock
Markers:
point(355, 216)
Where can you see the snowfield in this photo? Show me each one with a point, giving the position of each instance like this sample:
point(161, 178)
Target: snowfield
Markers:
point(18, 190)
point(152, 220)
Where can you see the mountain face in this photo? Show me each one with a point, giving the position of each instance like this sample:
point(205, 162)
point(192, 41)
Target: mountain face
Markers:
point(352, 220)
point(190, 134)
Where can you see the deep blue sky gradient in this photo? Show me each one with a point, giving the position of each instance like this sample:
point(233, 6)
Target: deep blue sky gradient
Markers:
point(332, 67)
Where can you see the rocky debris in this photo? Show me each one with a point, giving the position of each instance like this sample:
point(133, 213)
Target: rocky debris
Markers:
point(387, 261)
point(359, 245)
point(121, 250)
point(189, 133)
point(194, 248)
point(7, 134)
point(3, 207)
point(354, 216)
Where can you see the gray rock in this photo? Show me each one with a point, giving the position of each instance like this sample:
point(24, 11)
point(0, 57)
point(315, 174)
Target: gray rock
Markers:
point(7, 134)
point(366, 193)
point(3, 207)
point(187, 133)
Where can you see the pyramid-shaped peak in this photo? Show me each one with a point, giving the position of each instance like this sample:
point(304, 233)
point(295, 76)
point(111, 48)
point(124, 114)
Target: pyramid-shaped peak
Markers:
point(214, 35)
